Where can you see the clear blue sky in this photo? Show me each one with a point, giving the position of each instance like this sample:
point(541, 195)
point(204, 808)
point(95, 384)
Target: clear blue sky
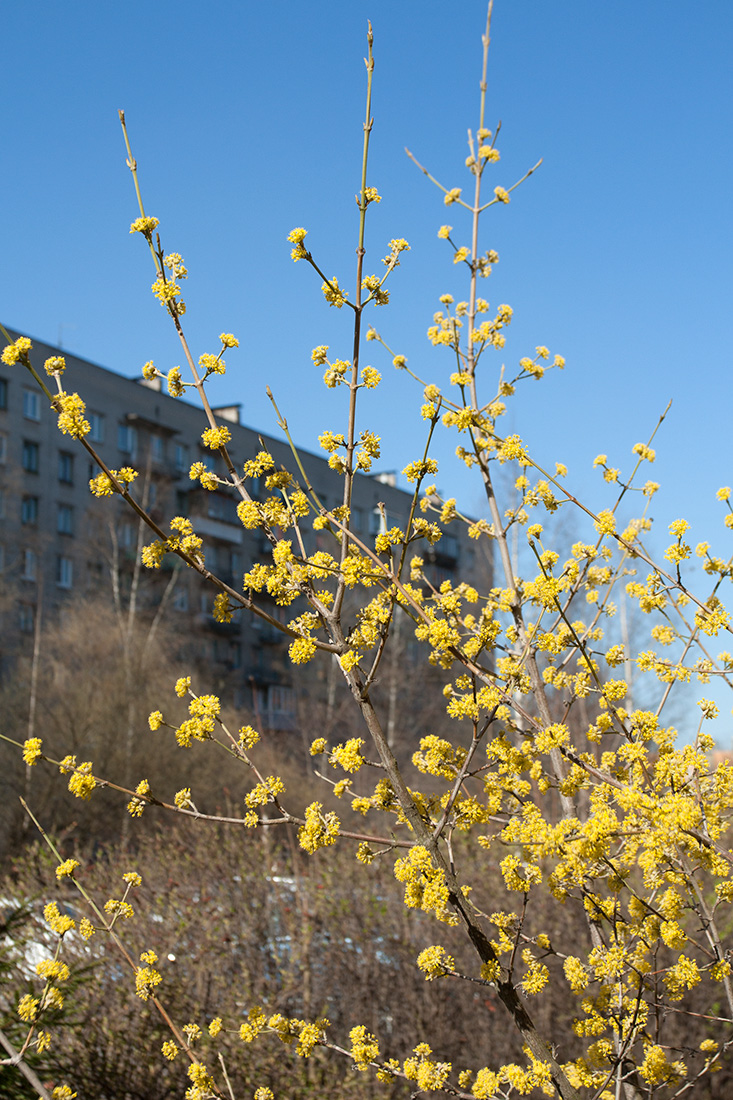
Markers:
point(246, 121)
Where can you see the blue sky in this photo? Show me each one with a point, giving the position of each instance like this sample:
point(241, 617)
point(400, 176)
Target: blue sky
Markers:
point(246, 121)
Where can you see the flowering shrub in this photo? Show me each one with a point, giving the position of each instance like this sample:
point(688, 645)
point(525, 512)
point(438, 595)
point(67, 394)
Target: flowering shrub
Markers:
point(552, 775)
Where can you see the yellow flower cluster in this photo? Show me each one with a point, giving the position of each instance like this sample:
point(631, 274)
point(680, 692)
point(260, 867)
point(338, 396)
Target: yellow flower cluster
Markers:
point(147, 977)
point(167, 291)
point(82, 782)
point(32, 751)
point(222, 609)
point(307, 1035)
point(320, 829)
point(58, 923)
point(17, 351)
point(102, 486)
point(296, 238)
point(204, 711)
point(136, 806)
point(53, 970)
point(145, 226)
point(67, 868)
point(212, 364)
point(425, 885)
point(364, 1047)
point(264, 792)
point(28, 1008)
point(206, 478)
point(435, 962)
point(214, 438)
point(428, 1075)
point(415, 471)
point(333, 293)
point(336, 373)
point(183, 540)
point(437, 756)
point(174, 263)
point(70, 408)
point(347, 756)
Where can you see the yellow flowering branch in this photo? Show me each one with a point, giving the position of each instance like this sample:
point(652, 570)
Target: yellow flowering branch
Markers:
point(107, 925)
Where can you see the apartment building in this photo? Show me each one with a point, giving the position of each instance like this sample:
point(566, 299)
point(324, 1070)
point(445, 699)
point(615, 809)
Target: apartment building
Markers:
point(57, 540)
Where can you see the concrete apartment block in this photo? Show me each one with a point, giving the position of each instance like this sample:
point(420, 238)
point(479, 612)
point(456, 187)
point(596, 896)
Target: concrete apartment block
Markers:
point(57, 540)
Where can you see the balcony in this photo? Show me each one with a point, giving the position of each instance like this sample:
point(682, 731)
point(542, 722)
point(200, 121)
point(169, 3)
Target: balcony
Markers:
point(227, 630)
point(218, 529)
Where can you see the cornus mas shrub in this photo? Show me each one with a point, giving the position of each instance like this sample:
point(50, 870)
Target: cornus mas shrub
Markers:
point(568, 798)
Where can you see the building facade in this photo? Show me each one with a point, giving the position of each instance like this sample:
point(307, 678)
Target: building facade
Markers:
point(58, 541)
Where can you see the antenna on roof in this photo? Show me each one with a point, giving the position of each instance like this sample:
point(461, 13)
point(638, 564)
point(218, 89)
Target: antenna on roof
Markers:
point(60, 341)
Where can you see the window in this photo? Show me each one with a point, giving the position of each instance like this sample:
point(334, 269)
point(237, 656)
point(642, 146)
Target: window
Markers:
point(30, 562)
point(65, 519)
point(215, 506)
point(180, 599)
point(30, 456)
point(31, 405)
point(3, 447)
point(221, 507)
point(152, 494)
point(127, 439)
point(182, 462)
point(96, 427)
point(29, 510)
point(3, 393)
point(64, 572)
point(157, 448)
point(448, 546)
point(25, 618)
point(276, 705)
point(66, 468)
point(281, 700)
point(376, 522)
point(215, 558)
point(127, 535)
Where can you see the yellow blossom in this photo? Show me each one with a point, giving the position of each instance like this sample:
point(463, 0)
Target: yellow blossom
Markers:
point(28, 1008)
point(435, 962)
point(216, 437)
point(66, 868)
point(71, 415)
point(605, 523)
point(32, 750)
point(144, 225)
point(333, 293)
